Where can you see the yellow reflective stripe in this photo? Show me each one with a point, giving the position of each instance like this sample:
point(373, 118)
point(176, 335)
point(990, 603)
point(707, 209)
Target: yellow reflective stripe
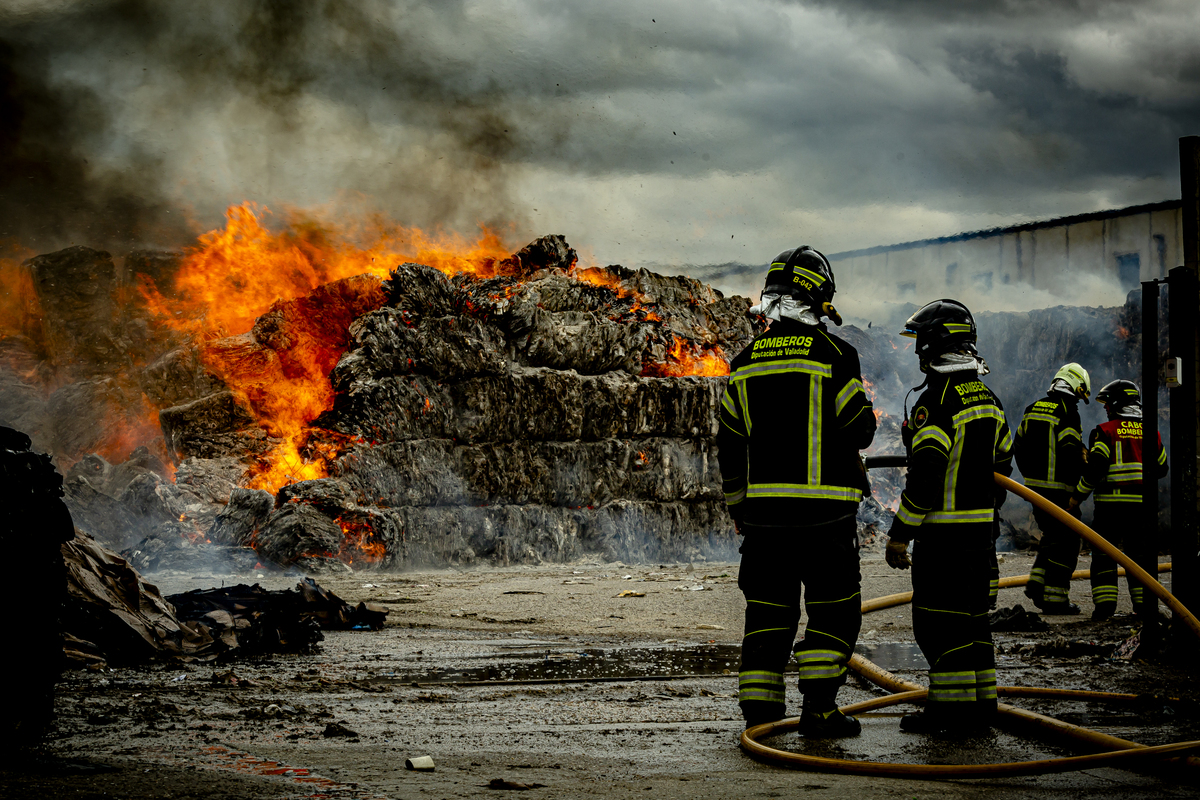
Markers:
point(815, 427)
point(728, 404)
point(810, 491)
point(826, 602)
point(977, 412)
point(970, 515)
point(733, 498)
point(744, 399)
point(781, 367)
point(1070, 433)
point(1162, 456)
point(1052, 459)
point(909, 517)
point(1101, 447)
point(1053, 420)
point(733, 429)
point(765, 603)
point(957, 327)
point(935, 433)
point(848, 391)
point(1006, 445)
point(764, 630)
point(812, 276)
point(1117, 497)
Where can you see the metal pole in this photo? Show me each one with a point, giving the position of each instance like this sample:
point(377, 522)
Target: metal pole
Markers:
point(1182, 302)
point(1150, 406)
point(1186, 346)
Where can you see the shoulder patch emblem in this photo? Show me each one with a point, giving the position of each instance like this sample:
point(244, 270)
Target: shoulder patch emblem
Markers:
point(920, 416)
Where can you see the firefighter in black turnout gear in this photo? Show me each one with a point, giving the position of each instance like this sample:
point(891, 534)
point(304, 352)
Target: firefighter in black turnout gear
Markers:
point(34, 524)
point(792, 421)
point(957, 437)
point(1049, 451)
point(1115, 469)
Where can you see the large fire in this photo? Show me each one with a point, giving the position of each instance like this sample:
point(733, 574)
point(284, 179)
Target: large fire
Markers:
point(236, 275)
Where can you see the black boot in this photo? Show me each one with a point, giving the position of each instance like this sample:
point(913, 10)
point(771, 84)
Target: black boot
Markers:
point(828, 725)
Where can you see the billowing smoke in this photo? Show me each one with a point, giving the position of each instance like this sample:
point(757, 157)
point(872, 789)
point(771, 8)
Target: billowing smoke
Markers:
point(136, 122)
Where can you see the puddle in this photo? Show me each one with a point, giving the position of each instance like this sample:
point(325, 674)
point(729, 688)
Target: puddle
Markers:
point(586, 664)
point(893, 655)
point(532, 661)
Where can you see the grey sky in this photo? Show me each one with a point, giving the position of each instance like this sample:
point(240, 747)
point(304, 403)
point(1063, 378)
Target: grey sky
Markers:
point(663, 132)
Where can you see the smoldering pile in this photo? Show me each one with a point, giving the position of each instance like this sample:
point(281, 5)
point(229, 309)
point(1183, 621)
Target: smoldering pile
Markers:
point(540, 415)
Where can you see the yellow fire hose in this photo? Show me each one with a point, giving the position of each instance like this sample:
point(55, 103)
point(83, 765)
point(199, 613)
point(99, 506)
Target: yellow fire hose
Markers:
point(1121, 752)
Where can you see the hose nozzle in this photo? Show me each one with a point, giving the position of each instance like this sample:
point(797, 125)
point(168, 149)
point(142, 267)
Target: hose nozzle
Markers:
point(828, 310)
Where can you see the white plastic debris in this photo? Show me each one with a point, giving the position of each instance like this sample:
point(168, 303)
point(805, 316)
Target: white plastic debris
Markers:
point(419, 763)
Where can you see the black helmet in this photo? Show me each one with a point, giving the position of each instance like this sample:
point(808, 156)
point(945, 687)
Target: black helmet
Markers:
point(804, 273)
point(1119, 394)
point(941, 327)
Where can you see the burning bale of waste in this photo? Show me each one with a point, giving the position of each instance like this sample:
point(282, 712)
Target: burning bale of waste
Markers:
point(532, 410)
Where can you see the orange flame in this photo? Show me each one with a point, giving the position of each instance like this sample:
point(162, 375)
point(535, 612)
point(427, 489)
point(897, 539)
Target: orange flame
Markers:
point(685, 358)
point(236, 273)
point(869, 390)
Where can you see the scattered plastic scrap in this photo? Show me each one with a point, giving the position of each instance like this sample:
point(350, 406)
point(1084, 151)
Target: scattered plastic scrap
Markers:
point(1016, 619)
point(1127, 649)
point(710, 627)
point(630, 593)
point(419, 763)
point(500, 783)
point(333, 729)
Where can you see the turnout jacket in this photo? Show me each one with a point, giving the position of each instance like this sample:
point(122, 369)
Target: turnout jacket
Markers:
point(959, 438)
point(792, 421)
point(1049, 443)
point(1114, 466)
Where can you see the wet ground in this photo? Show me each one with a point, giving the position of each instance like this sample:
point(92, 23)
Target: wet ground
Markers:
point(566, 681)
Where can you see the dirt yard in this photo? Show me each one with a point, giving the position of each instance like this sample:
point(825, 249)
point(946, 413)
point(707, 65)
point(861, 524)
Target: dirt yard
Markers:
point(566, 681)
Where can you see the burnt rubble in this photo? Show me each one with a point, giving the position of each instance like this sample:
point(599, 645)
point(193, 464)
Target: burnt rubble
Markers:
point(541, 414)
point(113, 616)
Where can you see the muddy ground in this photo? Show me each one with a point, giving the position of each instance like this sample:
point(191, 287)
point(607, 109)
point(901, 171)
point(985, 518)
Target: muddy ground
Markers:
point(564, 681)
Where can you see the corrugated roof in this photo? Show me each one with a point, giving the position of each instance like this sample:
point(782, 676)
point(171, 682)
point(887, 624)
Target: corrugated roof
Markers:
point(1027, 226)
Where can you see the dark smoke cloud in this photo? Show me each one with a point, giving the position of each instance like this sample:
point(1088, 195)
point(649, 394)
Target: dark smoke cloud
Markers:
point(297, 101)
point(50, 192)
point(699, 131)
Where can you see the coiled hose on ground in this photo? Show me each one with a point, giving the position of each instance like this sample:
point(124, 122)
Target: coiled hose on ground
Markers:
point(1120, 752)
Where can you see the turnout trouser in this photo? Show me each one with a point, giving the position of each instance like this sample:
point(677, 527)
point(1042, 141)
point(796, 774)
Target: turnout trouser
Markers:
point(776, 564)
point(1122, 525)
point(1058, 553)
point(950, 624)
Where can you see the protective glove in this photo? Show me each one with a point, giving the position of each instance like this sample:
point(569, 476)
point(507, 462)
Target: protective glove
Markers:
point(1072, 504)
point(897, 554)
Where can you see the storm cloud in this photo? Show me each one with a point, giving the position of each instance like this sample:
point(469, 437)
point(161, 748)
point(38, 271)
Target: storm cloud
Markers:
point(664, 133)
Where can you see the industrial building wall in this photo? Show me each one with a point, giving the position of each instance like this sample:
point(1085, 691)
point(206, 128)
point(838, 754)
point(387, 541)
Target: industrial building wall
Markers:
point(1093, 259)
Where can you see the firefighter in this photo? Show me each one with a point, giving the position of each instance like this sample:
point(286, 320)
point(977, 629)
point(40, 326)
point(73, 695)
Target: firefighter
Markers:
point(792, 421)
point(34, 523)
point(956, 437)
point(1049, 451)
point(1114, 472)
